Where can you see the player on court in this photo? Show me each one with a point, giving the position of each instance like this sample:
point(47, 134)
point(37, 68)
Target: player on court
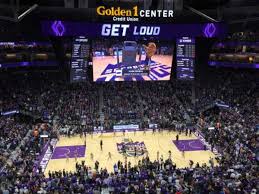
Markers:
point(190, 132)
point(153, 130)
point(142, 152)
point(169, 154)
point(101, 145)
point(85, 133)
point(147, 154)
point(76, 154)
point(109, 155)
point(124, 149)
point(81, 132)
point(67, 156)
point(126, 160)
point(92, 134)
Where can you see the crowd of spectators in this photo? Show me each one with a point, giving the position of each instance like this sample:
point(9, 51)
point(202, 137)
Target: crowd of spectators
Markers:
point(22, 165)
point(234, 132)
point(244, 36)
point(145, 102)
point(51, 98)
point(164, 103)
point(11, 134)
point(146, 177)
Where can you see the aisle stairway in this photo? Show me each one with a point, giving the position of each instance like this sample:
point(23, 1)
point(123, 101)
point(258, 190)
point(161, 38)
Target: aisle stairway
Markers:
point(185, 114)
point(101, 104)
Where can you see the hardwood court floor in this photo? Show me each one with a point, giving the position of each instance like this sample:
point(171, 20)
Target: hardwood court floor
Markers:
point(162, 142)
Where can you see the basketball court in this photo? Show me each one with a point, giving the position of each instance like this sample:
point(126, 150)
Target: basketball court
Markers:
point(66, 149)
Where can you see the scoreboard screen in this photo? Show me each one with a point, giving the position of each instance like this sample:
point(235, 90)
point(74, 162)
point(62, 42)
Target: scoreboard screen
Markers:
point(185, 58)
point(79, 59)
point(132, 60)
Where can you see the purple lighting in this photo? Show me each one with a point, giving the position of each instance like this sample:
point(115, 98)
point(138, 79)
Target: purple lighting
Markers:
point(209, 30)
point(24, 63)
point(94, 30)
point(58, 28)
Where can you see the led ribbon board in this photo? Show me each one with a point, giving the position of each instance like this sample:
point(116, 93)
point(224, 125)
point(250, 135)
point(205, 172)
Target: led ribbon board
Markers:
point(133, 30)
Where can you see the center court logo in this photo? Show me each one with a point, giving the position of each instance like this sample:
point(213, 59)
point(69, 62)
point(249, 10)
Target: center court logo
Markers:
point(133, 14)
point(132, 148)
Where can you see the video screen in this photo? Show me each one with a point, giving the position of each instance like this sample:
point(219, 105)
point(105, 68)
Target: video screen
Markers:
point(131, 60)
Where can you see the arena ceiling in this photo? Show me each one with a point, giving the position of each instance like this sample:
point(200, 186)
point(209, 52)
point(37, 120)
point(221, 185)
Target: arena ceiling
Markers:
point(18, 16)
